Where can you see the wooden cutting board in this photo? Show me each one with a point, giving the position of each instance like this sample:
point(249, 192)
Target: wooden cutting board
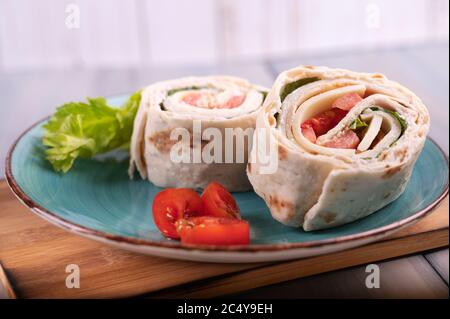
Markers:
point(35, 255)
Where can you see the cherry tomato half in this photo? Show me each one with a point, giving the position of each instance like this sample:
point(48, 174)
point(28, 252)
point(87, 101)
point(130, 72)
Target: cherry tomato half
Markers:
point(325, 121)
point(172, 204)
point(218, 202)
point(207, 230)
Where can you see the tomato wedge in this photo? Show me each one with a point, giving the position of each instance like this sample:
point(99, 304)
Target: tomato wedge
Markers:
point(192, 98)
point(218, 202)
point(347, 101)
point(347, 139)
point(324, 121)
point(233, 102)
point(172, 204)
point(308, 132)
point(207, 230)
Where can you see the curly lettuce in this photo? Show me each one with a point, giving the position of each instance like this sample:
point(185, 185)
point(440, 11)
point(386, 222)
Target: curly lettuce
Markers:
point(83, 130)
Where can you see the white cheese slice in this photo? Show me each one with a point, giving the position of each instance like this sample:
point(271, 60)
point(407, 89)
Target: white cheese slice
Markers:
point(391, 126)
point(372, 131)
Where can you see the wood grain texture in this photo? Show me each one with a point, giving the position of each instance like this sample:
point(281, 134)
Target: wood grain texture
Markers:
point(281, 272)
point(407, 277)
point(35, 255)
point(6, 288)
point(439, 260)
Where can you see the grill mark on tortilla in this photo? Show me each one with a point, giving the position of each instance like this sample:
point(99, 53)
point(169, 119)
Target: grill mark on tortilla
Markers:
point(272, 120)
point(417, 121)
point(280, 205)
point(161, 141)
point(329, 217)
point(282, 152)
point(378, 76)
point(401, 154)
point(203, 143)
point(392, 171)
point(383, 156)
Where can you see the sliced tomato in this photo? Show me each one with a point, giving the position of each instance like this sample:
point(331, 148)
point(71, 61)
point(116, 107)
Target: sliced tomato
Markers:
point(325, 121)
point(347, 101)
point(233, 102)
point(172, 204)
point(218, 202)
point(309, 133)
point(207, 230)
point(348, 139)
point(192, 98)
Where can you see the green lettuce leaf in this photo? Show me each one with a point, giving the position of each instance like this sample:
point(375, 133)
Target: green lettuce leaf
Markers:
point(290, 87)
point(399, 118)
point(80, 129)
point(396, 115)
point(188, 88)
point(357, 124)
point(264, 94)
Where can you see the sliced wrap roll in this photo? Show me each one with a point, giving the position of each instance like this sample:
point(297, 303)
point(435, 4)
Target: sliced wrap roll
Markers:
point(185, 104)
point(345, 143)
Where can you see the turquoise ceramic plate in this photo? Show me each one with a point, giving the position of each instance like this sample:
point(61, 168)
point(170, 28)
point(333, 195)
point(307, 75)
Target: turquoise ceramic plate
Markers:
point(96, 199)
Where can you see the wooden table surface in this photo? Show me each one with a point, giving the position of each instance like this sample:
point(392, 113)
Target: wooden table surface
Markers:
point(27, 97)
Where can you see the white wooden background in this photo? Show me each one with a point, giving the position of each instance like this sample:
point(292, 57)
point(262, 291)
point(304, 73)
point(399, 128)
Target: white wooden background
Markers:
point(136, 33)
point(123, 45)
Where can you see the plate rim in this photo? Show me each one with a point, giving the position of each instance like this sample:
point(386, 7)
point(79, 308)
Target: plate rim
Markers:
point(102, 235)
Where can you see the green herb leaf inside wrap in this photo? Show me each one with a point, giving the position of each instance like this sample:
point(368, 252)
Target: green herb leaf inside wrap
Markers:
point(396, 115)
point(291, 87)
point(357, 124)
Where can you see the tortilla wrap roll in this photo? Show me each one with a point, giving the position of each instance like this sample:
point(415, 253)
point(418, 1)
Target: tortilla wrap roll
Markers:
point(346, 144)
point(220, 102)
